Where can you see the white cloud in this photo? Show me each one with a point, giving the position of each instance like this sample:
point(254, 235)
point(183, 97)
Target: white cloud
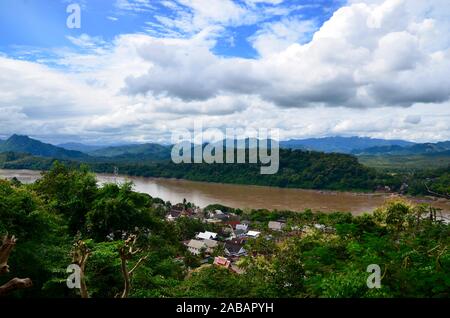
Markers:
point(278, 36)
point(272, 2)
point(364, 56)
point(413, 119)
point(138, 6)
point(191, 16)
point(382, 65)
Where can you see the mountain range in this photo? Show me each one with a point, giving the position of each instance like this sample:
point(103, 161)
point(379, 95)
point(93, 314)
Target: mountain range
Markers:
point(152, 151)
point(79, 147)
point(341, 144)
point(424, 149)
point(138, 152)
point(25, 144)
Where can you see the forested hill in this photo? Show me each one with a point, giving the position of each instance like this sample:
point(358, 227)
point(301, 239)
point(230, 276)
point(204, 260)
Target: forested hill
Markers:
point(24, 144)
point(298, 169)
point(341, 144)
point(439, 148)
point(134, 152)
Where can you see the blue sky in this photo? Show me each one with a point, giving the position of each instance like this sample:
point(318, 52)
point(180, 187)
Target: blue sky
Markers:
point(137, 70)
point(29, 25)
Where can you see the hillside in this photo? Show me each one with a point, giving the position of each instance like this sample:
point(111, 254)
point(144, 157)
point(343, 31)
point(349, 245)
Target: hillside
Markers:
point(298, 169)
point(80, 147)
point(24, 144)
point(134, 152)
point(341, 144)
point(417, 149)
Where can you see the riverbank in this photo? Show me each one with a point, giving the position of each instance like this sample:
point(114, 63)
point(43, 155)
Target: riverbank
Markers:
point(248, 196)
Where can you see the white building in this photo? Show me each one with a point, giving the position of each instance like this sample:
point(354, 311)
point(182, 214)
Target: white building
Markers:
point(253, 234)
point(196, 246)
point(276, 226)
point(207, 235)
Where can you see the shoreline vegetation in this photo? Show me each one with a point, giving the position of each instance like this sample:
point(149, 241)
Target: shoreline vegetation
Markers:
point(66, 218)
point(387, 195)
point(298, 170)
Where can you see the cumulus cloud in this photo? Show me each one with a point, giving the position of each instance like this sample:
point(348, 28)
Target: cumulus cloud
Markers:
point(364, 56)
point(382, 65)
point(278, 36)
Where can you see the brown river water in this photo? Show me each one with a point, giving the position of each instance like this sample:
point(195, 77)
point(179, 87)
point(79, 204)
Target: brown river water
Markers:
point(244, 196)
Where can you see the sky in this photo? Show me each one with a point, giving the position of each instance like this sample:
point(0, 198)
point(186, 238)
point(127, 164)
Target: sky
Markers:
point(137, 70)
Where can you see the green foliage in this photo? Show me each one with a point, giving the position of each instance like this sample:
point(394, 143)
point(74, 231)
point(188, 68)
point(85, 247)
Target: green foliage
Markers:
point(24, 144)
point(42, 238)
point(117, 209)
point(212, 282)
point(304, 260)
point(68, 192)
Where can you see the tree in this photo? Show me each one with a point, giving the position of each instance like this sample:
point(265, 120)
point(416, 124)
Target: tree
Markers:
point(80, 255)
point(116, 210)
point(8, 244)
point(126, 253)
point(70, 192)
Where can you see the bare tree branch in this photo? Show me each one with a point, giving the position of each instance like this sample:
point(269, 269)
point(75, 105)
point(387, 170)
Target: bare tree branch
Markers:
point(15, 284)
point(8, 244)
point(126, 252)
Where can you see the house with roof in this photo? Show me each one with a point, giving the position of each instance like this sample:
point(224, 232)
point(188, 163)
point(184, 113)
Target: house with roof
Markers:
point(212, 221)
point(222, 262)
point(173, 215)
point(232, 224)
point(238, 233)
point(222, 217)
point(253, 234)
point(218, 215)
point(276, 225)
point(234, 249)
point(206, 235)
point(210, 245)
point(242, 227)
point(196, 247)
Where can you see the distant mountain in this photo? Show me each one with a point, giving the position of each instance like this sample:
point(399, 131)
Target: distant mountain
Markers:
point(441, 148)
point(80, 147)
point(341, 144)
point(245, 143)
point(24, 144)
point(134, 152)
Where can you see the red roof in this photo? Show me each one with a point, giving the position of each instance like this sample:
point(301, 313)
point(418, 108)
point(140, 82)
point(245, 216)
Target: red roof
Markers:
point(221, 261)
point(233, 223)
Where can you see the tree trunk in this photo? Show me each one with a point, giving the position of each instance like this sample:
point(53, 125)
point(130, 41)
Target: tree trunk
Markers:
point(126, 278)
point(80, 255)
point(8, 244)
point(83, 288)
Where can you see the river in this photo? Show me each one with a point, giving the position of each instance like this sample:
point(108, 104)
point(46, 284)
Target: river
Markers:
point(244, 196)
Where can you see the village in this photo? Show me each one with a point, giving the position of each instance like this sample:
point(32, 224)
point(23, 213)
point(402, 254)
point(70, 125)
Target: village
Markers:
point(227, 245)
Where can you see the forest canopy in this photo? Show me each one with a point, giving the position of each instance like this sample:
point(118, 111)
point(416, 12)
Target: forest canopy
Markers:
point(66, 213)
